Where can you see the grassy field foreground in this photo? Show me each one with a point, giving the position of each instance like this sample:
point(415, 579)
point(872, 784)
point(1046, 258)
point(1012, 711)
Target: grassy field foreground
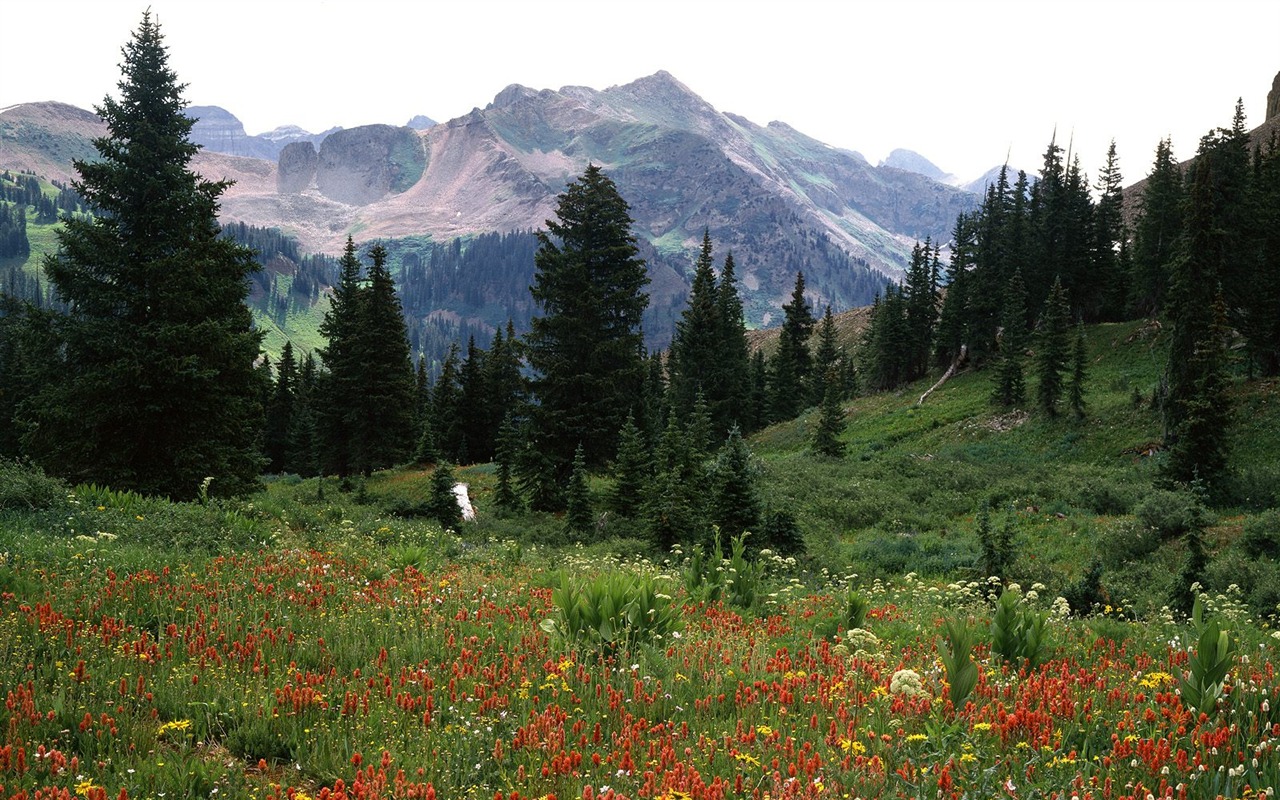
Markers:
point(390, 659)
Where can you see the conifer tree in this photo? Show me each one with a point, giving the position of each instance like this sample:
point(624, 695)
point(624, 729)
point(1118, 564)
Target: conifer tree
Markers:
point(1197, 408)
point(695, 347)
point(338, 390)
point(733, 369)
point(505, 498)
point(442, 503)
point(473, 407)
point(954, 317)
point(1156, 232)
point(386, 382)
point(791, 364)
point(654, 409)
point(1010, 382)
point(735, 506)
point(302, 456)
point(446, 419)
point(503, 378)
point(826, 356)
point(1052, 350)
point(586, 346)
point(1109, 236)
point(280, 408)
point(921, 309)
point(698, 430)
point(831, 421)
point(673, 503)
point(1263, 331)
point(1075, 388)
point(631, 471)
point(578, 520)
point(151, 386)
point(368, 397)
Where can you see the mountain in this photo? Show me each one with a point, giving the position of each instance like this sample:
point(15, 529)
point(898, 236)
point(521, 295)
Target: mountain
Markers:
point(912, 161)
point(781, 201)
point(219, 131)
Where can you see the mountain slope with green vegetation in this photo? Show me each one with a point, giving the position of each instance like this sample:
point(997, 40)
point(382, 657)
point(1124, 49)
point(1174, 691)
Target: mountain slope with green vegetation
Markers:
point(908, 495)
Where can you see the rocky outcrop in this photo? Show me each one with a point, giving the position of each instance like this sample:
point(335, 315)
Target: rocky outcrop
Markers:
point(219, 131)
point(361, 165)
point(297, 168)
point(1273, 98)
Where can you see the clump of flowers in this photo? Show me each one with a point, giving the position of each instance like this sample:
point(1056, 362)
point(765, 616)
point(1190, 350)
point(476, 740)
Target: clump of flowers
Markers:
point(858, 643)
point(907, 682)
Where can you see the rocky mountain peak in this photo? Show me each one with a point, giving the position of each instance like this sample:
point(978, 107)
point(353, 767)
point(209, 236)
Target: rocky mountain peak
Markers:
point(512, 95)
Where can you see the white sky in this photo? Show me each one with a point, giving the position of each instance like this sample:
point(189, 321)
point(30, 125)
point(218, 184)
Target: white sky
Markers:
point(962, 82)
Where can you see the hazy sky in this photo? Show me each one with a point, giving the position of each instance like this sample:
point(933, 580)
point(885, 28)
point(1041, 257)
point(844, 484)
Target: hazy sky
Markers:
point(963, 83)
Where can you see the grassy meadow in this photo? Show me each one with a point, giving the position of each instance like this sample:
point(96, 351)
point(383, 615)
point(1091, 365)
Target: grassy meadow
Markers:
point(319, 641)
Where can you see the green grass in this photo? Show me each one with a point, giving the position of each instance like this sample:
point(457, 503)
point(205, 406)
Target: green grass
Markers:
point(905, 496)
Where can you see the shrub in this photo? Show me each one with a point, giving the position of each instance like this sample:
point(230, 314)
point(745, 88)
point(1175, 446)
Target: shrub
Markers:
point(1257, 487)
point(26, 487)
point(1261, 535)
point(1172, 513)
point(1085, 593)
point(781, 534)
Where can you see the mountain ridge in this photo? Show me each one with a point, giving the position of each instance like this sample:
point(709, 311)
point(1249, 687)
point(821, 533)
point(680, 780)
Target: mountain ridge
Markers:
point(780, 200)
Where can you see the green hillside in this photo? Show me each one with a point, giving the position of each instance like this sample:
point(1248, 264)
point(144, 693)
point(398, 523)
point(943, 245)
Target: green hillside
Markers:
point(907, 495)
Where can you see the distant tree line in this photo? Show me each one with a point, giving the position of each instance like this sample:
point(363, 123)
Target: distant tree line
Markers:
point(1040, 258)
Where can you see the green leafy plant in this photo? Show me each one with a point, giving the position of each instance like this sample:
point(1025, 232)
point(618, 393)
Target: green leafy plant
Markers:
point(856, 606)
point(1018, 633)
point(1208, 664)
point(746, 578)
point(956, 652)
point(736, 580)
point(611, 612)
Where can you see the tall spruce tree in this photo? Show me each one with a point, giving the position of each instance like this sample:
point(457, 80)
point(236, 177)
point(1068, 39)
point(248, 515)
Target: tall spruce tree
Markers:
point(1196, 406)
point(732, 381)
point(825, 356)
point(1156, 232)
point(369, 389)
point(152, 384)
point(280, 408)
point(695, 345)
point(586, 347)
point(1052, 349)
point(1109, 236)
point(831, 422)
point(1010, 381)
point(338, 394)
point(788, 393)
point(735, 506)
point(1264, 309)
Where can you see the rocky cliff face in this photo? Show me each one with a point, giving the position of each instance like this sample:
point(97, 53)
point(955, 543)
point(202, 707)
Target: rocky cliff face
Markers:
point(296, 171)
point(362, 165)
point(1273, 98)
point(219, 131)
